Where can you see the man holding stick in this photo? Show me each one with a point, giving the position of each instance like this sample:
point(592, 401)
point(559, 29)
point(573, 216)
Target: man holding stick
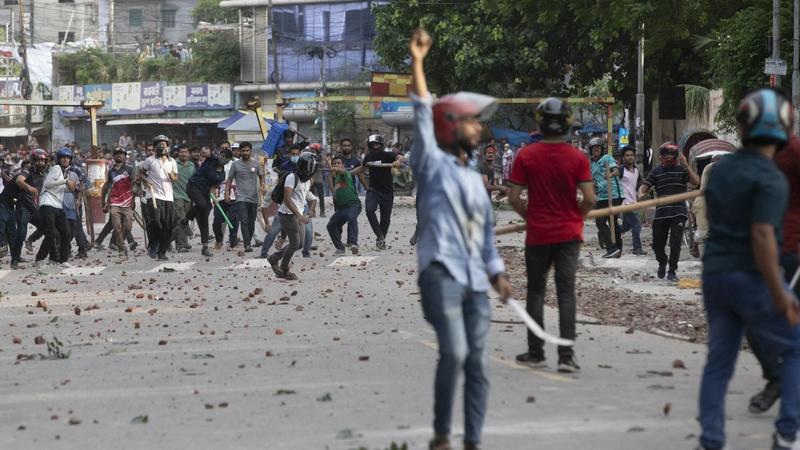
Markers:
point(117, 199)
point(457, 255)
point(158, 173)
point(552, 171)
point(605, 173)
point(669, 178)
point(199, 189)
point(746, 197)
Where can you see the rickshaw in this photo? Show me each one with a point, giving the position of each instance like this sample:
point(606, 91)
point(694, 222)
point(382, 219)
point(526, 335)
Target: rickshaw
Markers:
point(700, 156)
point(687, 141)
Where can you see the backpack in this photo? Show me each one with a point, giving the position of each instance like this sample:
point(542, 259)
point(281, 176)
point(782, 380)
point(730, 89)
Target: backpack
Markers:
point(277, 192)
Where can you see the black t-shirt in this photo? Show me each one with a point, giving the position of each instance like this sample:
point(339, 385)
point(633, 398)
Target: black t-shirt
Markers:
point(10, 192)
point(24, 197)
point(380, 178)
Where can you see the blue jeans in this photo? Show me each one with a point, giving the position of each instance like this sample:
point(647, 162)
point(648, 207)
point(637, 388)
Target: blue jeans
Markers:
point(735, 301)
point(630, 222)
point(338, 219)
point(276, 229)
point(270, 237)
point(461, 320)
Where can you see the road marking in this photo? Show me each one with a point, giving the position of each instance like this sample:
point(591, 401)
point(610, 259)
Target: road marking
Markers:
point(346, 261)
point(513, 365)
point(251, 263)
point(178, 267)
point(82, 271)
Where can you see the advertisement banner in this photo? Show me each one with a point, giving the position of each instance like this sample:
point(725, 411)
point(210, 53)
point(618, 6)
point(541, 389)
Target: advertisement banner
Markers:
point(175, 97)
point(219, 96)
point(127, 98)
point(152, 97)
point(99, 92)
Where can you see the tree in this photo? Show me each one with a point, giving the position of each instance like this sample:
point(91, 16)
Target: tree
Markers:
point(736, 50)
point(522, 47)
point(210, 11)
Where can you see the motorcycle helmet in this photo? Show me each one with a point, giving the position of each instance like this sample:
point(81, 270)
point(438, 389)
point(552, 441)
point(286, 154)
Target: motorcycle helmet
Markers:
point(668, 154)
point(765, 117)
point(306, 166)
point(448, 110)
point(553, 117)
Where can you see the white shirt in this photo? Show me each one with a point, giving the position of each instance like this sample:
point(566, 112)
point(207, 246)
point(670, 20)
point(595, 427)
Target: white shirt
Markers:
point(54, 185)
point(629, 180)
point(233, 183)
point(300, 195)
point(125, 141)
point(158, 176)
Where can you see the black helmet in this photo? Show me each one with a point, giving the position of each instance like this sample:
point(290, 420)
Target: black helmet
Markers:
point(375, 138)
point(306, 166)
point(553, 117)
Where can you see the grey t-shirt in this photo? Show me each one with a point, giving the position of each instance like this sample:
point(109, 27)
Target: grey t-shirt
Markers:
point(246, 174)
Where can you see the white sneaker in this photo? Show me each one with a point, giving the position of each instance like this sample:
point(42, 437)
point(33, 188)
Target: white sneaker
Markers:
point(65, 265)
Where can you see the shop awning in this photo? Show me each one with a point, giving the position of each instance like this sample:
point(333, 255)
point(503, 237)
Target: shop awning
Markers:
point(159, 121)
point(231, 120)
point(247, 122)
point(17, 131)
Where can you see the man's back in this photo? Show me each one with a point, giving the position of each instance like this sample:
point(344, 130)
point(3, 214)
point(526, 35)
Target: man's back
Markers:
point(551, 172)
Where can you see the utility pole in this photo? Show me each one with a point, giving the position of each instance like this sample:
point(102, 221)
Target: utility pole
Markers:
point(639, 120)
point(111, 39)
point(25, 77)
point(796, 67)
point(323, 104)
point(277, 78)
point(776, 35)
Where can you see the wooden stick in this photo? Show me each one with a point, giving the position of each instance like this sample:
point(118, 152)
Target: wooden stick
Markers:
point(660, 201)
point(611, 224)
point(377, 164)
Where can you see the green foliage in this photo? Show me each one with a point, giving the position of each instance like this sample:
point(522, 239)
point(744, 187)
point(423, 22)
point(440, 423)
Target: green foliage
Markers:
point(521, 47)
point(215, 58)
point(697, 99)
point(341, 120)
point(736, 54)
point(210, 11)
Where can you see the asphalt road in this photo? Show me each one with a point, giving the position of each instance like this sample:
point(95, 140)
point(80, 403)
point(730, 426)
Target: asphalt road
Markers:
point(218, 354)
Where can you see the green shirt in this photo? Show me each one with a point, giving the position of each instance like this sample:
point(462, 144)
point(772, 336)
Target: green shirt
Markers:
point(744, 188)
point(600, 182)
point(185, 171)
point(344, 191)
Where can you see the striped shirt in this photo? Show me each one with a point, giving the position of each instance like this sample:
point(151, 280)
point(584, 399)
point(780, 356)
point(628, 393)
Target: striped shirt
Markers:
point(669, 181)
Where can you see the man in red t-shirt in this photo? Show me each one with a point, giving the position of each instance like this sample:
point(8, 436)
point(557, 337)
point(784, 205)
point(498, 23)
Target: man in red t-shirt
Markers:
point(119, 187)
point(552, 171)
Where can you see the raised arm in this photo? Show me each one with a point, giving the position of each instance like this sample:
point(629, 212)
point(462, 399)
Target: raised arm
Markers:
point(424, 152)
point(418, 47)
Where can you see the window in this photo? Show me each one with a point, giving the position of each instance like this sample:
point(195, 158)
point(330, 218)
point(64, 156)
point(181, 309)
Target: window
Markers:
point(359, 25)
point(135, 17)
point(326, 26)
point(66, 1)
point(70, 37)
point(10, 2)
point(168, 18)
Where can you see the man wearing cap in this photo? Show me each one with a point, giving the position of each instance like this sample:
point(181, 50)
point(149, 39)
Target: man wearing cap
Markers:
point(117, 197)
point(158, 173)
point(458, 260)
point(380, 188)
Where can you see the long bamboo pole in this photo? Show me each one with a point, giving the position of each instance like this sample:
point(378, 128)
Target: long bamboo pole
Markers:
point(614, 210)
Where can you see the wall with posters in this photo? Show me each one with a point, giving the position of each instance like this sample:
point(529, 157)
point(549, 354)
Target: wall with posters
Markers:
point(147, 97)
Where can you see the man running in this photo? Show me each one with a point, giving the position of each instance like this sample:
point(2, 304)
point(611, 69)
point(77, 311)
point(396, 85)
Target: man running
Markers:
point(204, 181)
point(57, 235)
point(380, 189)
point(458, 260)
point(248, 177)
point(669, 178)
point(631, 179)
point(552, 171)
point(117, 197)
point(605, 172)
point(275, 230)
point(226, 203)
point(346, 205)
point(296, 197)
point(158, 173)
point(186, 168)
point(746, 199)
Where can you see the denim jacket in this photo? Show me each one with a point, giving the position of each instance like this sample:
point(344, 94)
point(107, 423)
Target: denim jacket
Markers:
point(454, 213)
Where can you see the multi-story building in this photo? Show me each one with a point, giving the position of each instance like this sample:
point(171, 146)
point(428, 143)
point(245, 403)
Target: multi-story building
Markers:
point(305, 41)
point(118, 23)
